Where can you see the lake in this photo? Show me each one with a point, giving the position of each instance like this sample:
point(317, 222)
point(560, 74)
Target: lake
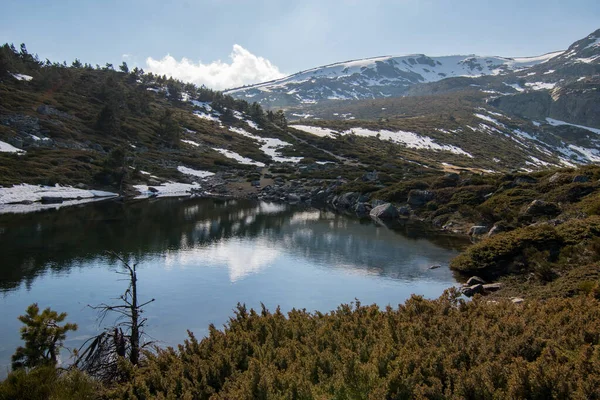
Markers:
point(199, 257)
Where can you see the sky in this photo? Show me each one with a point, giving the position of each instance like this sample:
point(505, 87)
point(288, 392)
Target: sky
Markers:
point(229, 43)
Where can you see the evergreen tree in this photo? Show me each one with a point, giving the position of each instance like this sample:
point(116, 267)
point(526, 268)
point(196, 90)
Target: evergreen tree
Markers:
point(124, 68)
point(43, 337)
point(169, 129)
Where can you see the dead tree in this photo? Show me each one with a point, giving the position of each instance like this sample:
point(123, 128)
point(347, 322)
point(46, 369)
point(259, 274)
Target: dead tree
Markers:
point(100, 355)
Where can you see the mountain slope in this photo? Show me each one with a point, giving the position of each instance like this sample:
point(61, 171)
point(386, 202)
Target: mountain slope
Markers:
point(419, 74)
point(378, 77)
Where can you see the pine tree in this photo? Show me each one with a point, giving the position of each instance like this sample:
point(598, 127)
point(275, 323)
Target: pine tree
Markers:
point(43, 338)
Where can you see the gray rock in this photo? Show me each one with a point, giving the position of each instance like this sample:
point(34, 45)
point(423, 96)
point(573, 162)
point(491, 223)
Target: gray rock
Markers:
point(384, 211)
point(376, 203)
point(436, 266)
point(492, 287)
point(419, 197)
point(517, 300)
point(404, 210)
point(555, 177)
point(472, 290)
point(370, 176)
point(152, 189)
point(475, 280)
point(360, 209)
point(347, 200)
point(581, 179)
point(496, 229)
point(521, 180)
point(540, 207)
point(293, 198)
point(478, 230)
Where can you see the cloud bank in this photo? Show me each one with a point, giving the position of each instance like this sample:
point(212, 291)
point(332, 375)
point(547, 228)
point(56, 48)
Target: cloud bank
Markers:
point(245, 68)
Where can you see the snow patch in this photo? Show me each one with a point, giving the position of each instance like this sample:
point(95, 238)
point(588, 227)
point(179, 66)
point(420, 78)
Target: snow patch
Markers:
point(193, 172)
point(540, 85)
point(22, 77)
point(239, 158)
point(8, 148)
point(269, 146)
point(408, 139)
point(190, 142)
point(315, 130)
point(556, 122)
point(26, 192)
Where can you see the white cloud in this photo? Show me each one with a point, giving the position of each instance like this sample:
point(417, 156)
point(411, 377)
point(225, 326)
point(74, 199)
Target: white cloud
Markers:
point(125, 56)
point(245, 68)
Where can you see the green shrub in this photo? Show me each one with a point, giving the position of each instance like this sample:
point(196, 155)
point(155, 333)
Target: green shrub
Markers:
point(436, 349)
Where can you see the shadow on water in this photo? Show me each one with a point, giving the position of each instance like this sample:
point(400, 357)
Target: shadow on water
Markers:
point(59, 240)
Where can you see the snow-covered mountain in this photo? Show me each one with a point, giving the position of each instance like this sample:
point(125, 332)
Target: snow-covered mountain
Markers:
point(392, 76)
point(378, 77)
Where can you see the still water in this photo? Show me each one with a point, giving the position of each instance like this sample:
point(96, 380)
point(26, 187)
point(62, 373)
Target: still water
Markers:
point(199, 257)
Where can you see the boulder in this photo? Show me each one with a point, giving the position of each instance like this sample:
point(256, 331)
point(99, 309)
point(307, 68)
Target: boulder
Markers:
point(376, 203)
point(435, 266)
point(347, 200)
point(474, 280)
point(492, 287)
point(472, 290)
point(152, 189)
point(540, 208)
point(370, 176)
point(580, 179)
point(419, 197)
point(293, 198)
point(555, 177)
point(404, 211)
point(477, 230)
point(360, 209)
point(517, 300)
point(384, 211)
point(497, 228)
point(525, 179)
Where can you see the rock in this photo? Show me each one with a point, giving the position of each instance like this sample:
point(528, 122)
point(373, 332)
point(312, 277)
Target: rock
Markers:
point(581, 179)
point(436, 266)
point(347, 200)
point(419, 197)
point(475, 280)
point(360, 209)
point(555, 177)
point(404, 211)
point(540, 208)
point(384, 211)
point(376, 203)
point(525, 179)
point(517, 300)
point(492, 287)
point(472, 290)
point(26, 202)
point(497, 228)
point(81, 186)
point(51, 200)
point(477, 230)
point(152, 189)
point(293, 198)
point(370, 176)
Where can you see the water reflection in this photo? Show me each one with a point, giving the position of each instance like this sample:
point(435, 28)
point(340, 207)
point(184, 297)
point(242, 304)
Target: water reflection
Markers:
point(186, 229)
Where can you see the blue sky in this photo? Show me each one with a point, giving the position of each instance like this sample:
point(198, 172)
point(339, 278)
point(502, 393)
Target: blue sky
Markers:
point(280, 37)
